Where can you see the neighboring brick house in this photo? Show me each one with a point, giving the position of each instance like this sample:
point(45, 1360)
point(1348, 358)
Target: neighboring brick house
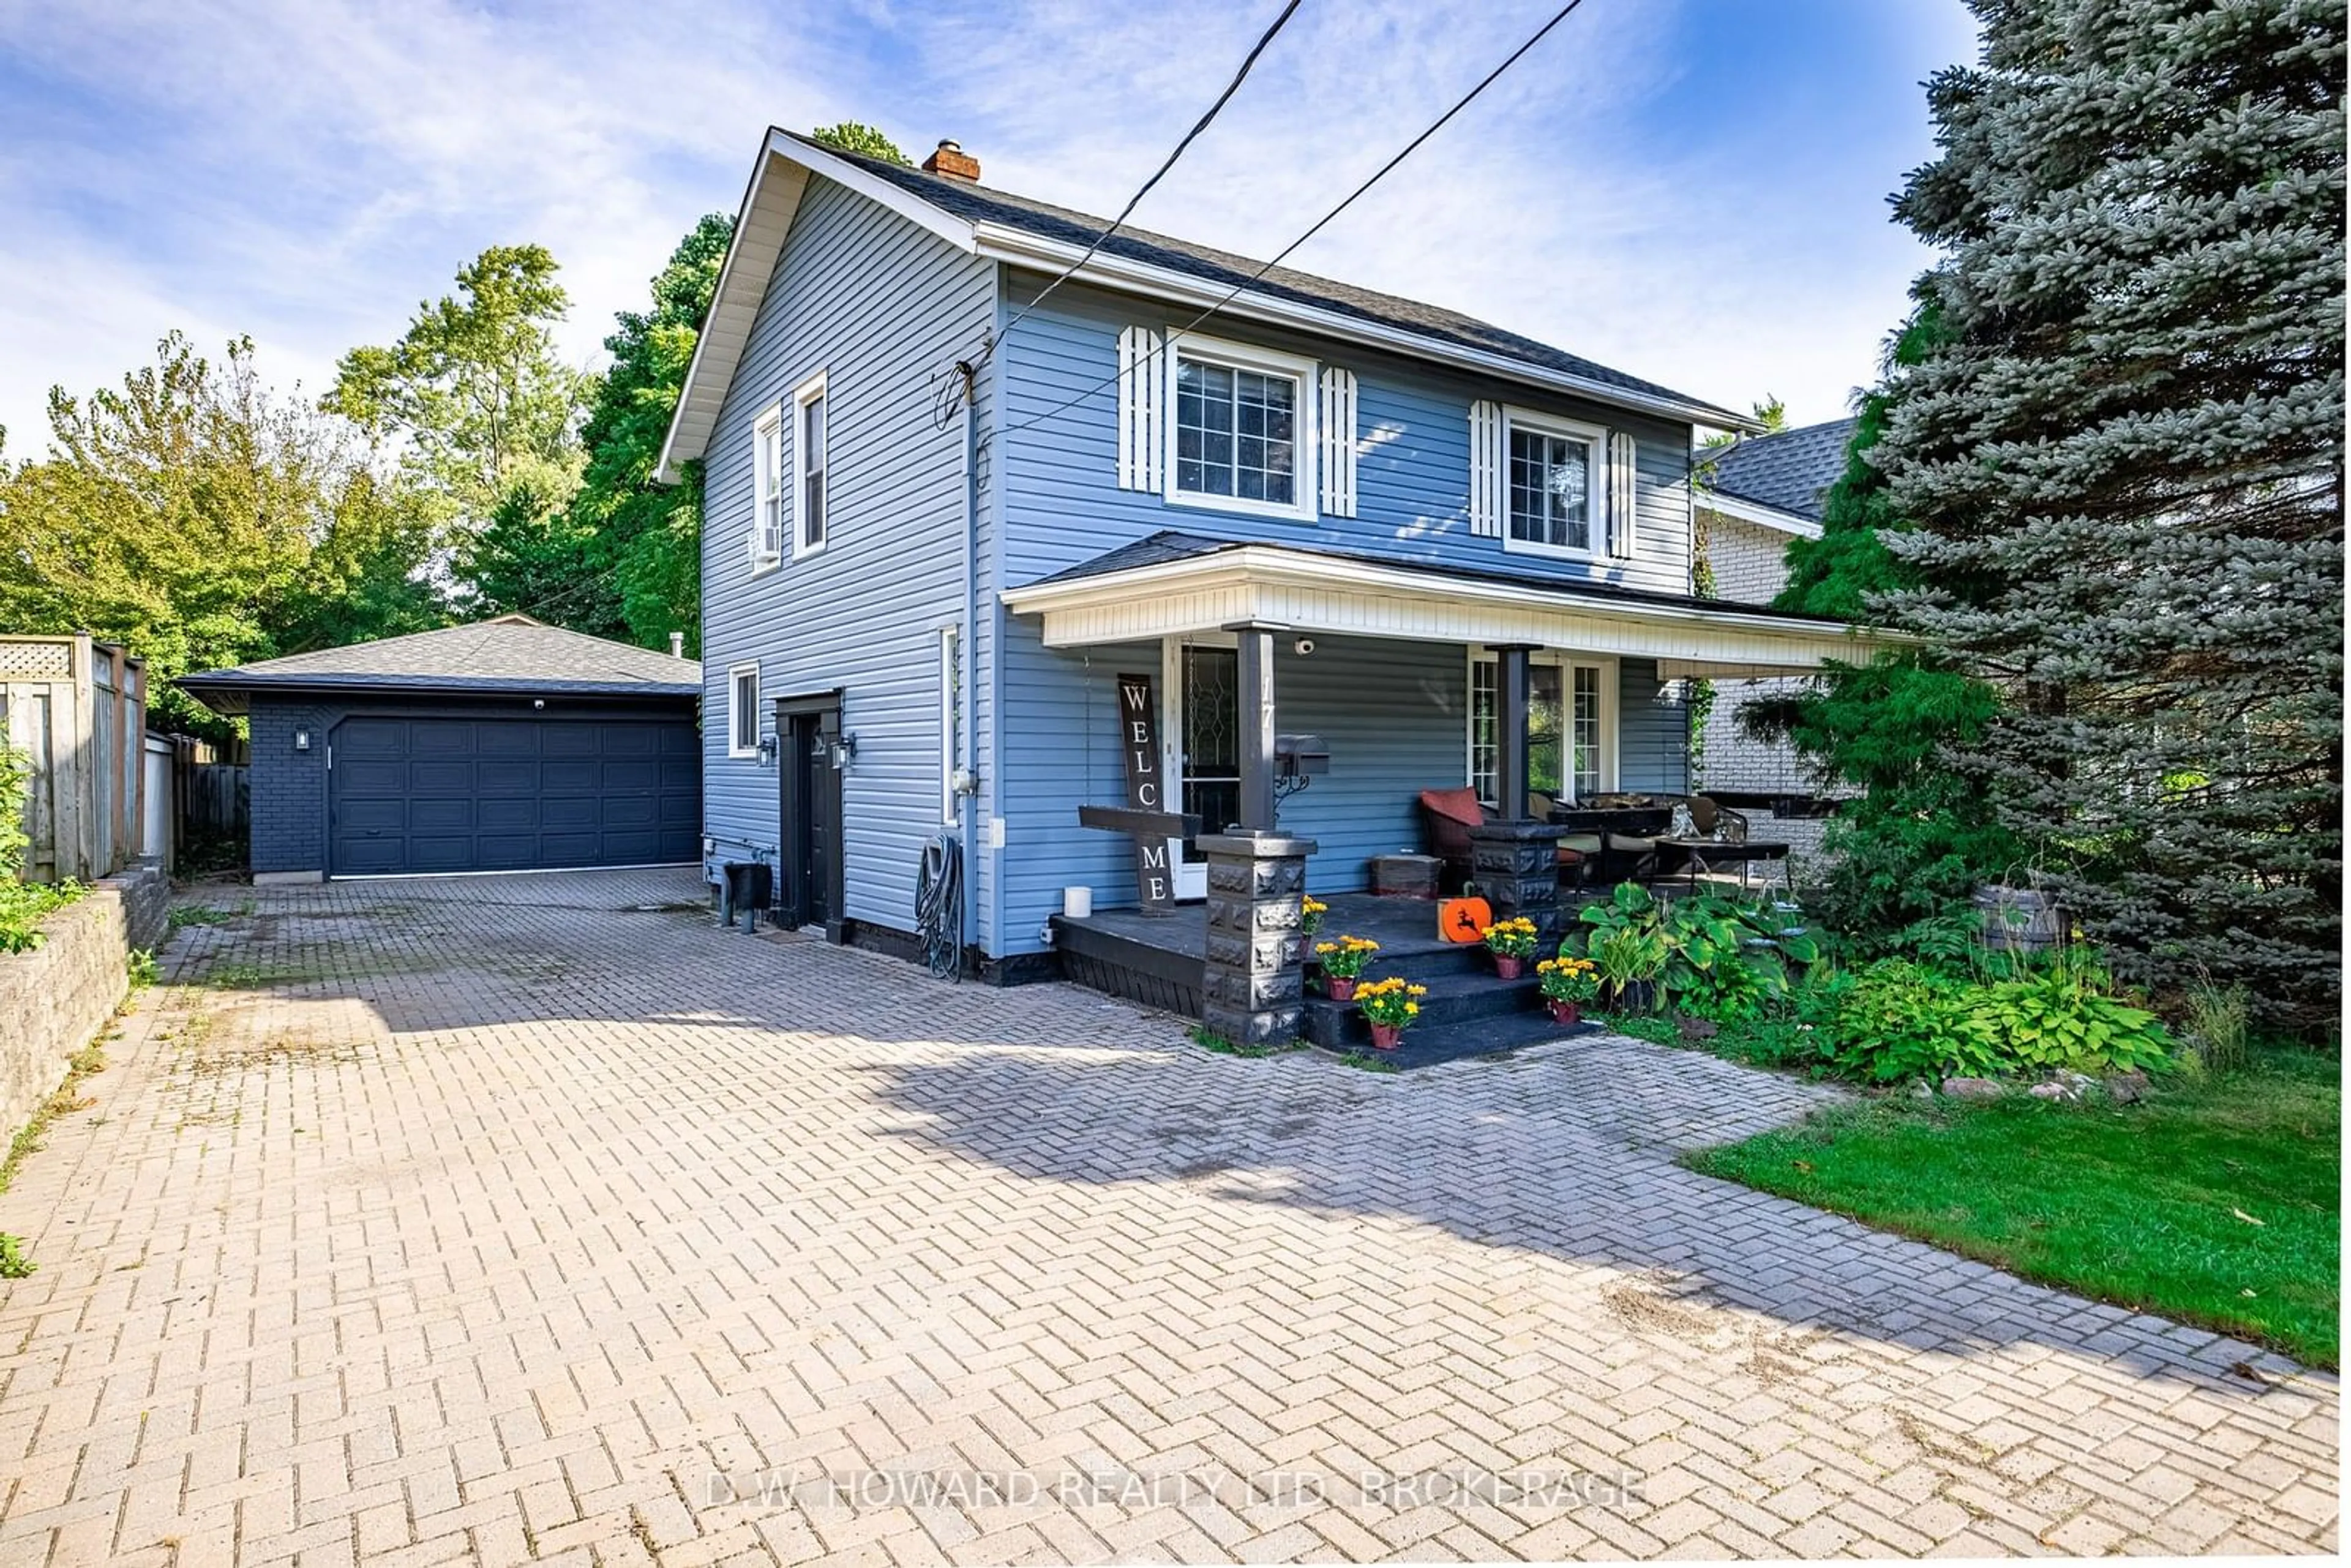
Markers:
point(1752, 497)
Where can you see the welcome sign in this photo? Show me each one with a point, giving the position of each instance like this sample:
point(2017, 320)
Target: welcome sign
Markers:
point(1138, 734)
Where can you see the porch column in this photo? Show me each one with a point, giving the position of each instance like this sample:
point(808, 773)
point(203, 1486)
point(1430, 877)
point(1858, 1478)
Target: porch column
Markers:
point(1253, 976)
point(1514, 859)
point(1256, 703)
point(1511, 720)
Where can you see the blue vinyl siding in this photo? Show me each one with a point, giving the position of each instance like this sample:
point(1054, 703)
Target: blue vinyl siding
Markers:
point(1652, 731)
point(1412, 468)
point(881, 307)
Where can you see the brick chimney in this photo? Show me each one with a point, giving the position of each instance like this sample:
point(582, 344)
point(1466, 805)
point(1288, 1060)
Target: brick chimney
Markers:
point(950, 162)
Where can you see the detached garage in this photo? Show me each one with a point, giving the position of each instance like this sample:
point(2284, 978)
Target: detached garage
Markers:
point(508, 745)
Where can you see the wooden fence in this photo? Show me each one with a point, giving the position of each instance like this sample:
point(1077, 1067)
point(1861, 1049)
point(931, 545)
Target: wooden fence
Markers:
point(214, 786)
point(77, 709)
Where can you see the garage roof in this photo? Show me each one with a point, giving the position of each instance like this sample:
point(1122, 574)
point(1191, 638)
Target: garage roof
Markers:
point(510, 654)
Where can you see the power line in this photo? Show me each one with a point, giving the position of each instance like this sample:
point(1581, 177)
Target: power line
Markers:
point(1320, 224)
point(1190, 136)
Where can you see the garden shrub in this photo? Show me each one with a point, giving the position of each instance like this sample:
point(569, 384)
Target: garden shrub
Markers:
point(22, 905)
point(1896, 1019)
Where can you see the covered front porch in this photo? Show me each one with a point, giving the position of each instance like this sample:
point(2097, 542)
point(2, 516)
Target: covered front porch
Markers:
point(1276, 693)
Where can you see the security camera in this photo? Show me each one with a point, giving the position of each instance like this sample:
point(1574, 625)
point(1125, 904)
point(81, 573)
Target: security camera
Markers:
point(1305, 647)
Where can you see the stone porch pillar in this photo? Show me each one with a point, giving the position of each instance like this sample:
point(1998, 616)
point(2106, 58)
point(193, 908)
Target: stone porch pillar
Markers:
point(1253, 986)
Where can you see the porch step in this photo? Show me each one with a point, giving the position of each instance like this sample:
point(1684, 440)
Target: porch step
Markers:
point(1456, 999)
point(1426, 1045)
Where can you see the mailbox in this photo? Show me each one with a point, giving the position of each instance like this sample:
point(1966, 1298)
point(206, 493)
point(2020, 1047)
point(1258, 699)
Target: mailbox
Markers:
point(1300, 756)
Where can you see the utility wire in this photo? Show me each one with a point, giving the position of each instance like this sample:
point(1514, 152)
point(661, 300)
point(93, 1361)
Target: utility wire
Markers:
point(1409, 147)
point(1190, 136)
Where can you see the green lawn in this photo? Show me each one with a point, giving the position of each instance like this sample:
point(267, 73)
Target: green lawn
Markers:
point(2215, 1202)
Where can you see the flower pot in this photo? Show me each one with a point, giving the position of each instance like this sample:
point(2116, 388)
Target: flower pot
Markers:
point(1561, 1012)
point(1508, 968)
point(1386, 1036)
point(1341, 986)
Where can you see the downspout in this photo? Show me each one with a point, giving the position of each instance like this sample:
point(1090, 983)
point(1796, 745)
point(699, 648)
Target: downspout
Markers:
point(968, 811)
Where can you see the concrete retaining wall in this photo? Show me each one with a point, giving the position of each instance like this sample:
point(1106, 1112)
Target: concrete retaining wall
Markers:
point(55, 998)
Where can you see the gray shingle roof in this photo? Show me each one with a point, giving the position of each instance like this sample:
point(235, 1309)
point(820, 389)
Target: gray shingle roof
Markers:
point(1173, 545)
point(510, 654)
point(1790, 471)
point(983, 204)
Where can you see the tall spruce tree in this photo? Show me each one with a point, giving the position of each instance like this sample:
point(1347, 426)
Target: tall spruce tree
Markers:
point(2121, 467)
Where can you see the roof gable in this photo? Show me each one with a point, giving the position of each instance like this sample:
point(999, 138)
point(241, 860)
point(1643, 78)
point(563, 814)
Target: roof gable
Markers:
point(983, 221)
point(1788, 472)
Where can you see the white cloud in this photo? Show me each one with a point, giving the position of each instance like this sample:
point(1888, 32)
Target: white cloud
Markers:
point(305, 170)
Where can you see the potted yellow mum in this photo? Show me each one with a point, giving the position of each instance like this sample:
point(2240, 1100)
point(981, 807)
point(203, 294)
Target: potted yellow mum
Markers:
point(1512, 943)
point(1568, 983)
point(1389, 1006)
point(1343, 963)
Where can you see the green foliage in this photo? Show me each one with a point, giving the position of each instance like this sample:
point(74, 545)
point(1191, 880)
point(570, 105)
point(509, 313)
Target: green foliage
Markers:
point(190, 515)
point(186, 914)
point(2136, 1205)
point(15, 1262)
point(2118, 471)
point(1721, 958)
point(145, 971)
point(848, 136)
point(1894, 1020)
point(2218, 1023)
point(474, 393)
point(16, 781)
point(645, 539)
point(22, 905)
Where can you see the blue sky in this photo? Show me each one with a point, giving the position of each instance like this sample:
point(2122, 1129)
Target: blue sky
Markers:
point(1690, 190)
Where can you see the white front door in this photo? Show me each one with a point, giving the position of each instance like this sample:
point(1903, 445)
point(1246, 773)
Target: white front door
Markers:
point(1201, 735)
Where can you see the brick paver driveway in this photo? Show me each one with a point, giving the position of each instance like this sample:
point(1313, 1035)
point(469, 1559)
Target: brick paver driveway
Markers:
point(495, 1220)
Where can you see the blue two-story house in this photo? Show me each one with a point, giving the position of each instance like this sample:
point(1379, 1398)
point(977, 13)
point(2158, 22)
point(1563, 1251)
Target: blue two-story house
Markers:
point(943, 518)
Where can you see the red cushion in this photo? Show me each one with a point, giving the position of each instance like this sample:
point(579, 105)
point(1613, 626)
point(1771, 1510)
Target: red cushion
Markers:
point(1461, 805)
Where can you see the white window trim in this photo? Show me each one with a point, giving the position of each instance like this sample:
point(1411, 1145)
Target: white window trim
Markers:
point(766, 453)
point(1595, 505)
point(950, 725)
point(735, 673)
point(807, 391)
point(1306, 437)
point(1611, 737)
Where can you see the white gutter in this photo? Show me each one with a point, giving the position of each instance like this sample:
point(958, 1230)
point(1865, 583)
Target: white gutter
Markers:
point(1754, 512)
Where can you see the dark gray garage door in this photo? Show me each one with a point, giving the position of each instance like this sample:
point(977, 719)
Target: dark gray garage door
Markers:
point(511, 794)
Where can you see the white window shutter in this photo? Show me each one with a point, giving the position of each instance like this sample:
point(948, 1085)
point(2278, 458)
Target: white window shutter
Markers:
point(1141, 432)
point(1624, 500)
point(1338, 442)
point(1489, 470)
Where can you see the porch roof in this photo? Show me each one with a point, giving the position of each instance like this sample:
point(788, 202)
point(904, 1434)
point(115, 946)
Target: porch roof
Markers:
point(1174, 583)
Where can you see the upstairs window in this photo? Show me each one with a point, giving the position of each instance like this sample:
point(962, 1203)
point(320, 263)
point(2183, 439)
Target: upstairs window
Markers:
point(808, 452)
point(767, 489)
point(1555, 487)
point(1243, 429)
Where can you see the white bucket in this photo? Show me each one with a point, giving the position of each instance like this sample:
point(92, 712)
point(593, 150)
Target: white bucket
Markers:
point(1077, 903)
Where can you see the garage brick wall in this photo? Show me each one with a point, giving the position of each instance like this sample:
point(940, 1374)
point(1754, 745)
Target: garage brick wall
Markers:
point(289, 786)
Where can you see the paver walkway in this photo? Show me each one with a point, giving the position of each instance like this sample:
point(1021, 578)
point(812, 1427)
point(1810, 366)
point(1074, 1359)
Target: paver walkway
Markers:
point(500, 1219)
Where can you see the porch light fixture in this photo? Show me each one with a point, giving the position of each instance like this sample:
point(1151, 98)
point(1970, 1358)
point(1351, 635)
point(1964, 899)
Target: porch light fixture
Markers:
point(767, 748)
point(844, 750)
point(301, 740)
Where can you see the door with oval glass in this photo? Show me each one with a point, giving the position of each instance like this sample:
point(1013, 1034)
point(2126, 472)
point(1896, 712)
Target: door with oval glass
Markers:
point(1201, 726)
